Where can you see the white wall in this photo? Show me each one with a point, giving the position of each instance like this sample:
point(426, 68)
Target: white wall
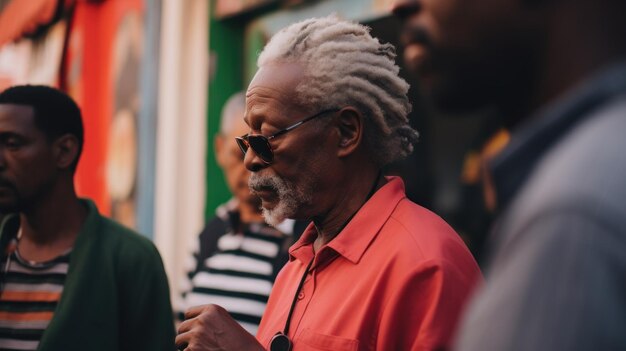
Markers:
point(181, 132)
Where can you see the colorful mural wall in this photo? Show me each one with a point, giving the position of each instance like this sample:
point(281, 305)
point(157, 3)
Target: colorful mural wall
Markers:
point(93, 49)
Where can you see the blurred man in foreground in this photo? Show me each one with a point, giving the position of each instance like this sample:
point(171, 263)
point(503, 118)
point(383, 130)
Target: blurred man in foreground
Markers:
point(71, 278)
point(374, 271)
point(557, 71)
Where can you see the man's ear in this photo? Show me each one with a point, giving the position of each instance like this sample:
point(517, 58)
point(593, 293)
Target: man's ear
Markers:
point(66, 150)
point(350, 126)
point(218, 146)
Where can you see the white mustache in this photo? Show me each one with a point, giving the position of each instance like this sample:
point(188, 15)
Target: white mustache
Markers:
point(257, 183)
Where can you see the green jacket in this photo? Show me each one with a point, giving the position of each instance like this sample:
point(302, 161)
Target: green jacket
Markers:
point(116, 295)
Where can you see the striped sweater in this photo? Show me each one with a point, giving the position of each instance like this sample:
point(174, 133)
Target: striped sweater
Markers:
point(29, 296)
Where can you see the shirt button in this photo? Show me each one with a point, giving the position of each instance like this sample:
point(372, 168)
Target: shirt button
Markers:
point(300, 295)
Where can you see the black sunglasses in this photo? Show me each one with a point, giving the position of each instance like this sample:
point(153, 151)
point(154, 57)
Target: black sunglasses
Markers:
point(261, 144)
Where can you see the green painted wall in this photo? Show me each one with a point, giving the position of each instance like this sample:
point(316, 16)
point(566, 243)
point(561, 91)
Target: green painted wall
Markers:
point(226, 55)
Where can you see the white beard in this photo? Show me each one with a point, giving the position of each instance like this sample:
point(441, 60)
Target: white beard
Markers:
point(291, 197)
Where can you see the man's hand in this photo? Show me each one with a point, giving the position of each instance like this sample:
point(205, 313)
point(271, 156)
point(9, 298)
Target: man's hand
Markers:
point(211, 328)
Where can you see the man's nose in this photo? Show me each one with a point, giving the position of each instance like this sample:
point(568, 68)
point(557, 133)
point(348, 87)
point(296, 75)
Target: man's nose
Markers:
point(253, 162)
point(405, 8)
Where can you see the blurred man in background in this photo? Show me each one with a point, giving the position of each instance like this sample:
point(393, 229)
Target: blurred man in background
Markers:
point(238, 255)
point(556, 70)
point(71, 278)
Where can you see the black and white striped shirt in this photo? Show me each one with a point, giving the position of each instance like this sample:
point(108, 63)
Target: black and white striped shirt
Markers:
point(237, 272)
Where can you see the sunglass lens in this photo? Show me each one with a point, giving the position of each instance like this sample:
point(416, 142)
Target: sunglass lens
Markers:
point(262, 147)
point(243, 145)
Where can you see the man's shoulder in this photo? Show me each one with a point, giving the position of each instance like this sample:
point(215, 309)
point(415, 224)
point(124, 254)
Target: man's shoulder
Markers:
point(418, 220)
point(582, 175)
point(585, 170)
point(123, 240)
point(215, 227)
point(420, 234)
point(592, 150)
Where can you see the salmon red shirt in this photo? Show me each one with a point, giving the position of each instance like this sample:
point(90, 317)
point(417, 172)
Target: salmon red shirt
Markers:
point(395, 278)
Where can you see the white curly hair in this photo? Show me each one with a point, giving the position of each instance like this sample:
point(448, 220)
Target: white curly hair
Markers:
point(345, 66)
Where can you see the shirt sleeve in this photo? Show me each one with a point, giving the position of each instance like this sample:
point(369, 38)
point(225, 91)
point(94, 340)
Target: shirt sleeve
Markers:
point(424, 312)
point(557, 285)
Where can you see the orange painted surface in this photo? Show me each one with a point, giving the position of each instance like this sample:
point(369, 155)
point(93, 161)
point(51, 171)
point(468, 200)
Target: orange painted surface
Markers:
point(91, 54)
point(19, 18)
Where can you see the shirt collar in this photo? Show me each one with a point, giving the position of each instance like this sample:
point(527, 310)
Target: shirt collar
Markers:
point(532, 139)
point(352, 242)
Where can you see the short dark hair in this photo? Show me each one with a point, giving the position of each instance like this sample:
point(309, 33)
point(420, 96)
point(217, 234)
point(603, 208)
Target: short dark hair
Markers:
point(55, 112)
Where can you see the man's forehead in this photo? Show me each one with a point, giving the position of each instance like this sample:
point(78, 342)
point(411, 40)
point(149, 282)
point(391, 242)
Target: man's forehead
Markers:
point(266, 103)
point(273, 84)
point(13, 109)
point(280, 77)
point(17, 118)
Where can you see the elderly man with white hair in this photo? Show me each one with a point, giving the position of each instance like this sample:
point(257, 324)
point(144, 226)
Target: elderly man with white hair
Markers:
point(373, 271)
